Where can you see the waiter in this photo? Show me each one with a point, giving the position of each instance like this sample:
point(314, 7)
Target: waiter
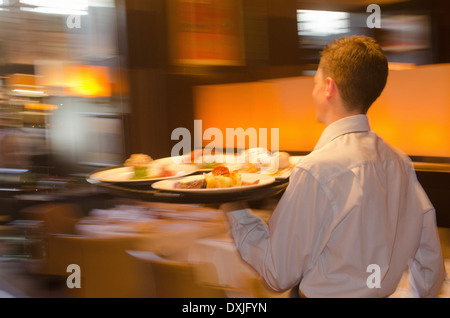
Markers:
point(354, 217)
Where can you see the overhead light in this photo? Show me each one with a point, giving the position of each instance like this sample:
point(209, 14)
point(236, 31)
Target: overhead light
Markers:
point(74, 7)
point(2, 3)
point(49, 10)
point(73, 4)
point(27, 92)
point(322, 23)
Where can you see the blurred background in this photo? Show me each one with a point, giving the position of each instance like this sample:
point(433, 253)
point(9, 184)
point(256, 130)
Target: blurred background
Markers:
point(86, 83)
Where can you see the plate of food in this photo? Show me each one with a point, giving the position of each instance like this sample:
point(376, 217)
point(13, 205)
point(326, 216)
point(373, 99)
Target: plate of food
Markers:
point(263, 161)
point(206, 160)
point(219, 180)
point(139, 168)
point(254, 160)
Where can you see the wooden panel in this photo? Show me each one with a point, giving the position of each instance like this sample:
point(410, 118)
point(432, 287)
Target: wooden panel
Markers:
point(206, 32)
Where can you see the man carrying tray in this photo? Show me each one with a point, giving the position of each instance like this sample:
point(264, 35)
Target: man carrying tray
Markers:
point(354, 217)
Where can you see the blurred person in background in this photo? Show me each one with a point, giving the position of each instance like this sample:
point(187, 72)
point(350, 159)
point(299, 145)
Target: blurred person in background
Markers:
point(353, 205)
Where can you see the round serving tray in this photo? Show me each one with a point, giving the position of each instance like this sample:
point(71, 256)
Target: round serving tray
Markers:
point(154, 195)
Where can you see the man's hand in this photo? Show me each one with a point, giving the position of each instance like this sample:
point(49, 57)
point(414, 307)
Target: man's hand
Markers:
point(233, 206)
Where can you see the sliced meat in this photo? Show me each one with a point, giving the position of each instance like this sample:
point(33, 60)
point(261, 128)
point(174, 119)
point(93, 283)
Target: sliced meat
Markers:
point(196, 184)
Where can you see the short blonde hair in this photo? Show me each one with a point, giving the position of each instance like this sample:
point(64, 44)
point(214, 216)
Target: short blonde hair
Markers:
point(359, 68)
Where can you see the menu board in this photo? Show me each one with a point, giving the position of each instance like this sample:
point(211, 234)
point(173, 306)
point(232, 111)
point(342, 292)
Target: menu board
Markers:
point(206, 32)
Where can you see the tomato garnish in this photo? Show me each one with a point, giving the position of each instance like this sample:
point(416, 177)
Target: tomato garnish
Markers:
point(244, 183)
point(220, 171)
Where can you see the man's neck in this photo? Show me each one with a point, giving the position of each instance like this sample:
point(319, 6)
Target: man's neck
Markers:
point(337, 115)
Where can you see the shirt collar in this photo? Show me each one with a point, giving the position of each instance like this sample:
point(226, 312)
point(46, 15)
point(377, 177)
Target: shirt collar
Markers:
point(346, 125)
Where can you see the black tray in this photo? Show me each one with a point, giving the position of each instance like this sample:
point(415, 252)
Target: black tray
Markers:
point(153, 195)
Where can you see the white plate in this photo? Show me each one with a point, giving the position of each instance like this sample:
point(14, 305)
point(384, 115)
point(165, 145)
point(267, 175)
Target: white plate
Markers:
point(229, 160)
point(124, 174)
point(168, 185)
point(286, 173)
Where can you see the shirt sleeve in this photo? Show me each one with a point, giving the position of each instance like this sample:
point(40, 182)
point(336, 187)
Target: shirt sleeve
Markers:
point(282, 250)
point(427, 271)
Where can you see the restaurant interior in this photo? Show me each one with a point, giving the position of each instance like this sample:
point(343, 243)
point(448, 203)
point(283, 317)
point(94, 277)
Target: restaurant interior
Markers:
point(87, 84)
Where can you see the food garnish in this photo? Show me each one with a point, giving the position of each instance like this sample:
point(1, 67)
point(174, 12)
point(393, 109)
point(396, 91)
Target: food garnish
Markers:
point(219, 177)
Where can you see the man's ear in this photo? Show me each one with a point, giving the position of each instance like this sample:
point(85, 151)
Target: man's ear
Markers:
point(331, 88)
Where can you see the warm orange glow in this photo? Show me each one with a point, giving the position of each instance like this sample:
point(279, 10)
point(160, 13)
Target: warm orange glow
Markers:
point(21, 79)
point(206, 32)
point(283, 103)
point(413, 112)
point(401, 66)
point(41, 107)
point(87, 81)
